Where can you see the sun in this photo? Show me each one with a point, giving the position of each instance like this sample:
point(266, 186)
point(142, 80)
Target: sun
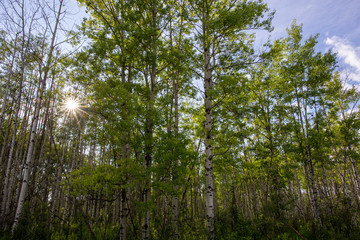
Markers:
point(71, 105)
point(72, 108)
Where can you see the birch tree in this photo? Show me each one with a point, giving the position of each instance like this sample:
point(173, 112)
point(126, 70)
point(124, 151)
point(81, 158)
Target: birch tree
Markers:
point(44, 70)
point(217, 23)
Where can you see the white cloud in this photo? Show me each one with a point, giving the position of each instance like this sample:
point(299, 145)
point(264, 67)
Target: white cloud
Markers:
point(349, 79)
point(349, 54)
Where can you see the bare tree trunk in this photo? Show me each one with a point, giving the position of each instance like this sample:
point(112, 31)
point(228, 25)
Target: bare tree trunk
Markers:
point(5, 98)
point(176, 83)
point(147, 188)
point(5, 143)
point(175, 200)
point(210, 209)
point(42, 87)
point(306, 152)
point(314, 191)
point(56, 189)
point(123, 214)
point(21, 145)
point(24, 51)
point(28, 162)
point(149, 124)
point(125, 154)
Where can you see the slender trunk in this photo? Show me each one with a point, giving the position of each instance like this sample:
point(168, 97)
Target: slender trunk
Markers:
point(149, 125)
point(125, 154)
point(5, 143)
point(5, 98)
point(5, 192)
point(176, 82)
point(123, 214)
point(175, 200)
point(348, 148)
point(147, 188)
point(48, 160)
point(314, 190)
point(306, 150)
point(42, 87)
point(21, 147)
point(27, 163)
point(210, 209)
point(336, 154)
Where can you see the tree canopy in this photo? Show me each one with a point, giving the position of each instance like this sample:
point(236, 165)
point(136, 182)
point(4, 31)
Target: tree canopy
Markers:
point(167, 122)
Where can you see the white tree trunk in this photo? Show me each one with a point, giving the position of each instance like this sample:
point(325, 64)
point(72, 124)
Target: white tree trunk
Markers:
point(210, 209)
point(43, 74)
point(27, 165)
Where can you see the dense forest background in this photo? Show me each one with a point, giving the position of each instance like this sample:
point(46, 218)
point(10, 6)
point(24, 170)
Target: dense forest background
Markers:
point(166, 121)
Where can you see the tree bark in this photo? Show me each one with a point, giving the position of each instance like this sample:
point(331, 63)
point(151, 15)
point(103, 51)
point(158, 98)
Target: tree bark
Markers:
point(42, 86)
point(210, 209)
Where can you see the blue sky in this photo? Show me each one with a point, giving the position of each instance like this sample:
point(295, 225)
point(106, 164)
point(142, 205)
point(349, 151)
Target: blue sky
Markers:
point(337, 22)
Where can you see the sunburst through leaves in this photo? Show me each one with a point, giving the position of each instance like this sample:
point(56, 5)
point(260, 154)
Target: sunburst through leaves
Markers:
point(72, 107)
point(71, 104)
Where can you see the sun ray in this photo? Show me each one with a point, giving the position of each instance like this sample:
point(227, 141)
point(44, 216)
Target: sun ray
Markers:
point(72, 108)
point(71, 104)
